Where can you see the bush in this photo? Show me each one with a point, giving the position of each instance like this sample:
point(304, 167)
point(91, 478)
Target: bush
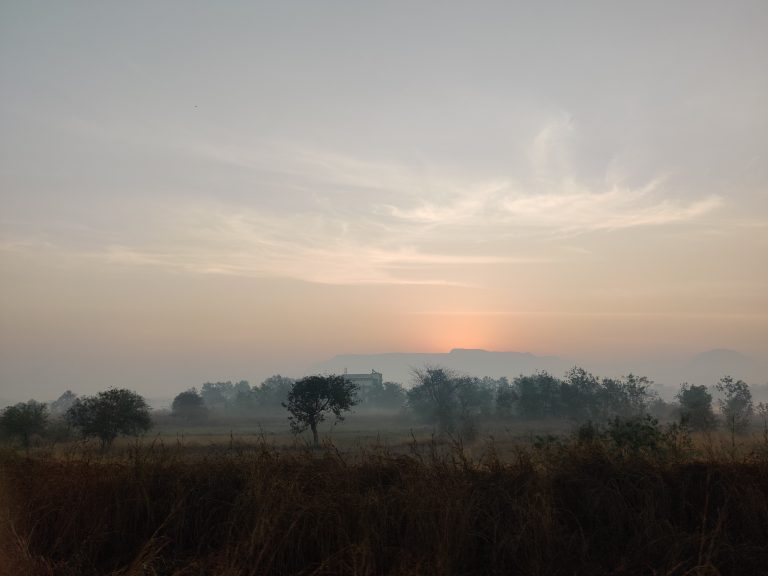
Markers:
point(23, 420)
point(696, 407)
point(635, 434)
point(110, 414)
point(189, 406)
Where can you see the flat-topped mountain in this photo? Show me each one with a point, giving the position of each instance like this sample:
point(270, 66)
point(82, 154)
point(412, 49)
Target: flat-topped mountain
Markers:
point(399, 367)
point(704, 368)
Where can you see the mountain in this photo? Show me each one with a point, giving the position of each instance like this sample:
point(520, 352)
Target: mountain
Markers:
point(711, 365)
point(704, 368)
point(399, 367)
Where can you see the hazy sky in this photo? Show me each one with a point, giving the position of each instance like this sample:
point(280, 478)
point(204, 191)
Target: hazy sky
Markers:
point(224, 190)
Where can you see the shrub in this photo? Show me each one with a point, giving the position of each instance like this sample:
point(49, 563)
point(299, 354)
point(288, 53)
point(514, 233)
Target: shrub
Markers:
point(24, 420)
point(109, 414)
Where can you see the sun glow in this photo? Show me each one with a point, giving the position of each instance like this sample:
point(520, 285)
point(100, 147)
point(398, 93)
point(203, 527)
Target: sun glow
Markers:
point(444, 332)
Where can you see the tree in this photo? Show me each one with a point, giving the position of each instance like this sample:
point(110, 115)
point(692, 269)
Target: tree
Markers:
point(627, 397)
point(243, 398)
point(538, 395)
point(451, 401)
point(696, 407)
point(273, 392)
point(736, 403)
point(23, 420)
point(217, 394)
point(63, 403)
point(391, 395)
point(580, 395)
point(506, 398)
point(385, 395)
point(109, 414)
point(189, 406)
point(313, 397)
point(762, 411)
point(434, 397)
point(474, 399)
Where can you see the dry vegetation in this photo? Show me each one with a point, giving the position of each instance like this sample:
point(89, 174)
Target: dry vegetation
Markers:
point(553, 506)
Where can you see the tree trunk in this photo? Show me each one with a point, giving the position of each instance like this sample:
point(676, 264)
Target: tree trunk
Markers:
point(313, 426)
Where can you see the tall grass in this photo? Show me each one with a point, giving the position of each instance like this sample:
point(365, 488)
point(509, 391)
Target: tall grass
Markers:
point(556, 509)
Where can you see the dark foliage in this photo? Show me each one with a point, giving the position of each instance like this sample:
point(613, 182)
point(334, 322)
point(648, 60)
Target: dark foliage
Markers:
point(23, 420)
point(383, 396)
point(273, 392)
point(736, 404)
point(189, 406)
point(109, 414)
point(312, 398)
point(696, 407)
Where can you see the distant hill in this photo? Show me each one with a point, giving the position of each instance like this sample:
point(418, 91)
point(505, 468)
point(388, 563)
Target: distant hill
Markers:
point(721, 361)
point(398, 367)
point(704, 368)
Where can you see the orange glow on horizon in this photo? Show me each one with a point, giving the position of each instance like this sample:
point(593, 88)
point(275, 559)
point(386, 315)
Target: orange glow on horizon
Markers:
point(443, 333)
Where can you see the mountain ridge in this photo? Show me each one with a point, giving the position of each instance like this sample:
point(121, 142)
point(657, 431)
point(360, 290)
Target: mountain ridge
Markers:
point(706, 367)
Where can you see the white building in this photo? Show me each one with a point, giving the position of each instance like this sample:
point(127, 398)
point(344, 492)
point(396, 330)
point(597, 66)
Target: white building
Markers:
point(365, 380)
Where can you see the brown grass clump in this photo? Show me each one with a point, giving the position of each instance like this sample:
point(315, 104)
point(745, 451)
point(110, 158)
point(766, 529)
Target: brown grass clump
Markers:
point(262, 511)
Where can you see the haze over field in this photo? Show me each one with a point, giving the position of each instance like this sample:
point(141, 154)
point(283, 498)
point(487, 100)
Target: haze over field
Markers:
point(193, 191)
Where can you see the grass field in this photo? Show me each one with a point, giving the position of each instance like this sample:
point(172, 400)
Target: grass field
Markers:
point(383, 496)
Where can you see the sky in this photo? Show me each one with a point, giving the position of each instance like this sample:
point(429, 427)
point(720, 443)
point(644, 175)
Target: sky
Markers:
point(194, 191)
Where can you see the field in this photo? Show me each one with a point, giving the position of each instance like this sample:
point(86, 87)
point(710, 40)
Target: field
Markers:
point(385, 496)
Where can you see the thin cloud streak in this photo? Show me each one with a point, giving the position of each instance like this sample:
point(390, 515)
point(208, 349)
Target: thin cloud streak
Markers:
point(358, 221)
point(324, 250)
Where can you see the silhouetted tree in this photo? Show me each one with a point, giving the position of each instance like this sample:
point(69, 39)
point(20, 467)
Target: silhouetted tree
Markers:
point(217, 395)
point(485, 394)
point(23, 420)
point(313, 397)
point(387, 395)
point(627, 397)
point(736, 403)
point(189, 406)
point(450, 401)
point(109, 414)
point(434, 397)
point(273, 392)
point(474, 399)
point(762, 412)
point(506, 399)
point(696, 407)
point(538, 395)
point(579, 395)
point(244, 398)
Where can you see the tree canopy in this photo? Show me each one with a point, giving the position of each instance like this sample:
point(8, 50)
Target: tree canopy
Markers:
point(312, 398)
point(696, 407)
point(109, 414)
point(24, 420)
point(735, 403)
point(189, 406)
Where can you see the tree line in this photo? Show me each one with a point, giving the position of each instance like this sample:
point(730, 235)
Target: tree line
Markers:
point(452, 402)
point(456, 403)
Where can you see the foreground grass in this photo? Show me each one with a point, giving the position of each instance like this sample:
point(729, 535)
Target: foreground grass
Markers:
point(255, 509)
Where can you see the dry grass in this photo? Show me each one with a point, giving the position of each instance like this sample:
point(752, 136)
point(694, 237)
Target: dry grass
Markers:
point(252, 508)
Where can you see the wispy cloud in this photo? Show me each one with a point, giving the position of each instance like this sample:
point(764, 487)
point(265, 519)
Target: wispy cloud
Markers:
point(583, 211)
point(568, 208)
point(359, 221)
point(309, 247)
